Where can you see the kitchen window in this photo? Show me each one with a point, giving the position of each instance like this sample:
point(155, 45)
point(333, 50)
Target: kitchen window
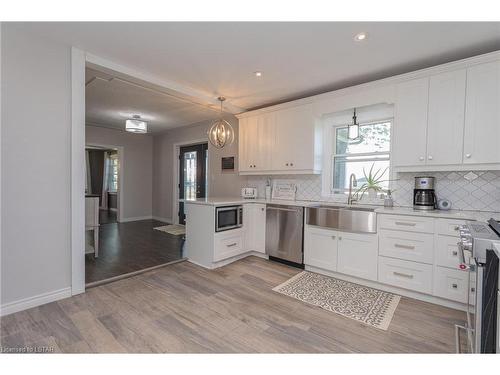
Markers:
point(370, 151)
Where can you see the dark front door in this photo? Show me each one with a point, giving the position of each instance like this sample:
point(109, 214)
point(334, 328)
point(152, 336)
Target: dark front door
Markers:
point(192, 174)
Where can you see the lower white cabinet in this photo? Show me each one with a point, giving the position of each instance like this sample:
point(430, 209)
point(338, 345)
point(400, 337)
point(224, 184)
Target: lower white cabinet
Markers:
point(405, 274)
point(447, 251)
point(254, 223)
point(418, 247)
point(451, 284)
point(320, 248)
point(228, 244)
point(357, 255)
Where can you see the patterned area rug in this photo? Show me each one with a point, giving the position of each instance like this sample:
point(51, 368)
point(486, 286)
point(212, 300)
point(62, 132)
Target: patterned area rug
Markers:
point(176, 229)
point(367, 305)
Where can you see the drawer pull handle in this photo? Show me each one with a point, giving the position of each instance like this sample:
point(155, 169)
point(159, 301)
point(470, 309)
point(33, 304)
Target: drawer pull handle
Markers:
point(409, 247)
point(454, 253)
point(454, 286)
point(403, 275)
point(232, 244)
point(405, 224)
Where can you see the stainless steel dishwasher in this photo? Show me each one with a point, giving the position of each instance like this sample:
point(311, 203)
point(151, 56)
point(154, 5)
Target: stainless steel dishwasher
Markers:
point(284, 233)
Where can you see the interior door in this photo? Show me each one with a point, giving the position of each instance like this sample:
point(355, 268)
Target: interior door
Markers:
point(193, 163)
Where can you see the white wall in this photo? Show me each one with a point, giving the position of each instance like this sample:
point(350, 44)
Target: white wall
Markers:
point(220, 183)
point(137, 168)
point(35, 156)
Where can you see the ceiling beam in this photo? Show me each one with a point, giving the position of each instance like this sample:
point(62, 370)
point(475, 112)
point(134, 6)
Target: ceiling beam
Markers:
point(168, 87)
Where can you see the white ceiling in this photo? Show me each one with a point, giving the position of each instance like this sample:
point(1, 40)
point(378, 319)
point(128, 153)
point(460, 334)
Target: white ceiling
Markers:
point(113, 98)
point(297, 59)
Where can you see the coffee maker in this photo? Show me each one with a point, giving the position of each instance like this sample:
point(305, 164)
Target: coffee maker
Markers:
point(424, 197)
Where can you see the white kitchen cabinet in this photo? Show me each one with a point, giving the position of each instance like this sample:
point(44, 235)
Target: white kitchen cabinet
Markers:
point(254, 222)
point(357, 255)
point(228, 244)
point(410, 124)
point(405, 274)
point(320, 248)
point(451, 284)
point(256, 142)
point(417, 247)
point(295, 139)
point(445, 126)
point(285, 141)
point(482, 114)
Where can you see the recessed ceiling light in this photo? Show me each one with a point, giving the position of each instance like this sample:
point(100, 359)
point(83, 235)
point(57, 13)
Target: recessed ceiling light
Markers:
point(360, 37)
point(258, 74)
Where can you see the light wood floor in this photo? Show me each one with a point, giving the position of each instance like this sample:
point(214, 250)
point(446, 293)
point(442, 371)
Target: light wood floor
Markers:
point(185, 308)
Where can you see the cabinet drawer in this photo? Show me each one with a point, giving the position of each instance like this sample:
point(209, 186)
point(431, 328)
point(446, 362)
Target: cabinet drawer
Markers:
point(407, 223)
point(449, 227)
point(417, 247)
point(447, 252)
point(405, 274)
point(228, 245)
point(451, 284)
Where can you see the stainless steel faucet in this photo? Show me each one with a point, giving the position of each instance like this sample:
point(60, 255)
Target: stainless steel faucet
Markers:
point(352, 182)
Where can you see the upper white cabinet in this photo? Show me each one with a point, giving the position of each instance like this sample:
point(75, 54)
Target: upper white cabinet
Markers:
point(429, 123)
point(482, 114)
point(445, 127)
point(256, 138)
point(410, 123)
point(285, 141)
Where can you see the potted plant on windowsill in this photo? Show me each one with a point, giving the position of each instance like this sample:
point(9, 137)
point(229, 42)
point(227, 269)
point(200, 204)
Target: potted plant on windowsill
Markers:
point(372, 184)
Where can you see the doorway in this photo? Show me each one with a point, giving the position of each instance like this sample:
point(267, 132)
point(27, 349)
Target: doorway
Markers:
point(193, 165)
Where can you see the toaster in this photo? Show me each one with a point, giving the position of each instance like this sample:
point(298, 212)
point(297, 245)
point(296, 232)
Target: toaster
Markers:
point(249, 193)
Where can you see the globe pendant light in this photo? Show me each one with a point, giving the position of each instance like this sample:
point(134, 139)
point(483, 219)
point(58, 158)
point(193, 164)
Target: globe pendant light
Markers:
point(353, 129)
point(221, 133)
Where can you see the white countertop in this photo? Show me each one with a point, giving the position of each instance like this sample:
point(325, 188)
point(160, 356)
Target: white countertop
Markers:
point(451, 214)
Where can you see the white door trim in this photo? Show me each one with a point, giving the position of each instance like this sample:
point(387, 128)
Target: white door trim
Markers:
point(121, 164)
point(77, 171)
point(175, 190)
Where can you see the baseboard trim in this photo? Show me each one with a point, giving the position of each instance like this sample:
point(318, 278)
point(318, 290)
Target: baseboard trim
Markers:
point(30, 302)
point(163, 219)
point(138, 218)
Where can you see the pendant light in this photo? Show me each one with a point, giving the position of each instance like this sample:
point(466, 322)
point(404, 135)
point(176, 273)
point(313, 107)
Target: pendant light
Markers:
point(136, 125)
point(353, 129)
point(221, 133)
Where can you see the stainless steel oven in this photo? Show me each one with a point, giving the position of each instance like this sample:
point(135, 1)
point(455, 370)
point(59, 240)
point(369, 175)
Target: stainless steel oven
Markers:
point(228, 217)
point(477, 241)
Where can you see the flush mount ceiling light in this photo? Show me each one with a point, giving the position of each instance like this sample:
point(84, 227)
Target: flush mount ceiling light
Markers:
point(221, 133)
point(360, 37)
point(258, 74)
point(353, 129)
point(136, 125)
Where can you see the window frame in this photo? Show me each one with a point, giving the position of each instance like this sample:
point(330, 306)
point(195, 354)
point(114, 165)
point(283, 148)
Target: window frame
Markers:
point(330, 146)
point(114, 162)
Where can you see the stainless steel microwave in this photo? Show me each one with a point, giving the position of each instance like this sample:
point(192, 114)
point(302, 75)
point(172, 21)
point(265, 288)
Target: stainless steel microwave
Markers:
point(229, 217)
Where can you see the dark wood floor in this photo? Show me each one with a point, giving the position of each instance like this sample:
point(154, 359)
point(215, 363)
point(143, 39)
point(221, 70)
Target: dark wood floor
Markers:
point(129, 247)
point(107, 216)
point(185, 308)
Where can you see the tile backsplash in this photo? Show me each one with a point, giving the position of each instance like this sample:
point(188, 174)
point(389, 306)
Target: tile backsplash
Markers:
point(469, 190)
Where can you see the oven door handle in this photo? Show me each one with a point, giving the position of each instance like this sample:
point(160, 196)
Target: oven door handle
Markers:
point(462, 265)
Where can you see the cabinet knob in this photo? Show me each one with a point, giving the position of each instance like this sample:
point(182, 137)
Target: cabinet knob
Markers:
point(333, 237)
point(340, 238)
point(430, 157)
point(468, 156)
point(455, 253)
point(291, 164)
point(421, 158)
point(286, 164)
point(454, 286)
